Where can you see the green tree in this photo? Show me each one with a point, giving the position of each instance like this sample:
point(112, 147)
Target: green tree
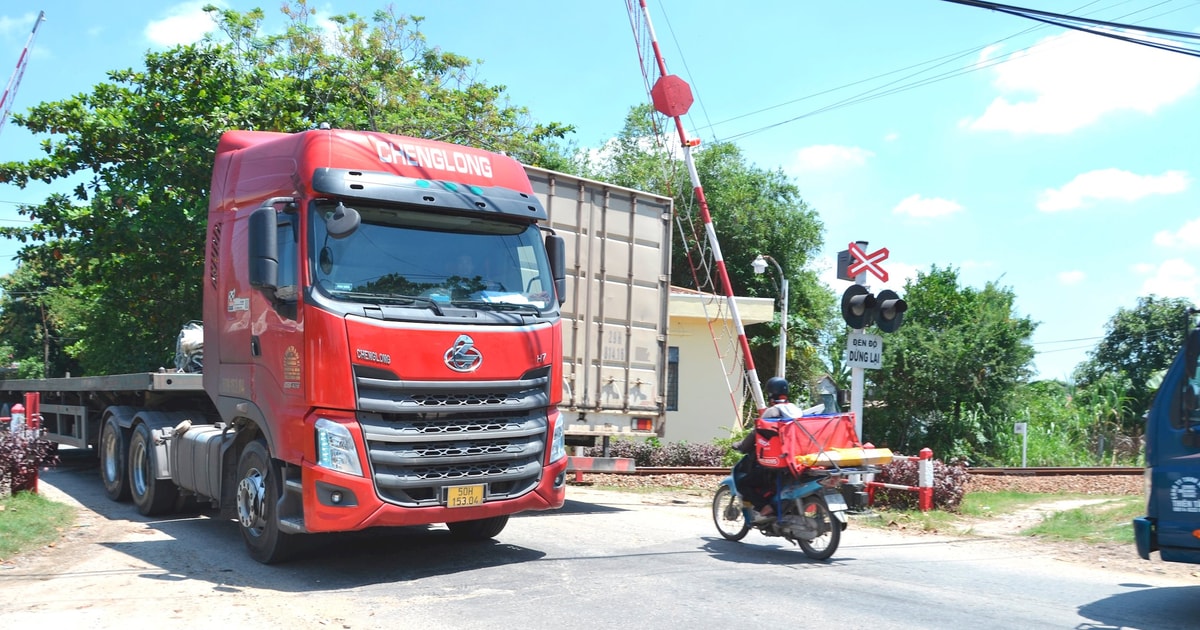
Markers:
point(128, 242)
point(951, 370)
point(1138, 343)
point(29, 305)
point(754, 211)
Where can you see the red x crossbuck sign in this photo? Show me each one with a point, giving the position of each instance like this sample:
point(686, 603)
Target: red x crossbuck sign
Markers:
point(867, 262)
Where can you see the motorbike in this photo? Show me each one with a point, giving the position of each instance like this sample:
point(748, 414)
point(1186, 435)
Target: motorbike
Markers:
point(810, 511)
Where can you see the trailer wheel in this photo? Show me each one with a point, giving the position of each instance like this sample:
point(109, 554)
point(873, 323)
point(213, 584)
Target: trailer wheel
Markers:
point(114, 444)
point(259, 485)
point(151, 496)
point(481, 529)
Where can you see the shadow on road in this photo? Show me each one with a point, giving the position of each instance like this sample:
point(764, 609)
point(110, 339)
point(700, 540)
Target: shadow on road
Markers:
point(204, 547)
point(763, 551)
point(1163, 608)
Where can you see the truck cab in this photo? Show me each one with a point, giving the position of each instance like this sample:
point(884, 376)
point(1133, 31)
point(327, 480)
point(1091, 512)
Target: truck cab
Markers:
point(1171, 525)
point(382, 332)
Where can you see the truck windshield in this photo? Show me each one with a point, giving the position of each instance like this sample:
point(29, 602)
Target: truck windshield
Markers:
point(427, 260)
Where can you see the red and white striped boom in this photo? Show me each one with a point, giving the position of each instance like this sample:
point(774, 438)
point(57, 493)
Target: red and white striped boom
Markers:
point(10, 91)
point(672, 97)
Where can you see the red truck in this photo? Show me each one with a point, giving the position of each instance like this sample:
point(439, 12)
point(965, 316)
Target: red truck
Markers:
point(382, 346)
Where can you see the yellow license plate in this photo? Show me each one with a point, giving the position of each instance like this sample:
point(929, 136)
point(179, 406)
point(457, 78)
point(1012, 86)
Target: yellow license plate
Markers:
point(464, 496)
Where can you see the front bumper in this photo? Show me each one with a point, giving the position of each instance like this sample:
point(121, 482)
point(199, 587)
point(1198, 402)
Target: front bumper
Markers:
point(360, 506)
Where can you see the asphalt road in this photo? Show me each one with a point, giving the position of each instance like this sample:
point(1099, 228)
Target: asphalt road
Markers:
point(606, 560)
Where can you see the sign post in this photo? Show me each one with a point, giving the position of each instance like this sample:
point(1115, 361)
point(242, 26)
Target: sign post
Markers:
point(856, 373)
point(1020, 429)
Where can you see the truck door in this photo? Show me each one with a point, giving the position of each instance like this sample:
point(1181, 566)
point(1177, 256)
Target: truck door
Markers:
point(276, 343)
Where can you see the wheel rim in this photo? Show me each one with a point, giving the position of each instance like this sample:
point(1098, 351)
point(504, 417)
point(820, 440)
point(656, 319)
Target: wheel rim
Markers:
point(727, 513)
point(814, 511)
point(251, 492)
point(111, 455)
point(139, 468)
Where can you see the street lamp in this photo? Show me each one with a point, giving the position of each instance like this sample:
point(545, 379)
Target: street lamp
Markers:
point(760, 266)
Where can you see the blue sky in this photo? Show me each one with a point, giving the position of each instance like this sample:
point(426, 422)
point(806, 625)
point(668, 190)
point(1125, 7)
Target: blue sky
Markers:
point(1060, 164)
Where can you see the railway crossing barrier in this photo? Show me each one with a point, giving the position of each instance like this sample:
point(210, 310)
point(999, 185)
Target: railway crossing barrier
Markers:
point(924, 487)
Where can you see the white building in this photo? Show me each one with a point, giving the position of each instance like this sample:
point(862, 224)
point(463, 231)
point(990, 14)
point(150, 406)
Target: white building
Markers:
point(704, 371)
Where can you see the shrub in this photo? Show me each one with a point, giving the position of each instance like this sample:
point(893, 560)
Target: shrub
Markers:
point(21, 455)
point(949, 485)
point(651, 452)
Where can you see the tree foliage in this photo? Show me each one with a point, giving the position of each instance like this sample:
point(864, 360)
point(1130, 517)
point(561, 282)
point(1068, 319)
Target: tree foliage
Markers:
point(125, 247)
point(1138, 343)
point(951, 370)
point(754, 211)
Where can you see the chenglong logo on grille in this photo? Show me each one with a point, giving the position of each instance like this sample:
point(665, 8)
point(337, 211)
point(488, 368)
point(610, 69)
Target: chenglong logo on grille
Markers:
point(462, 356)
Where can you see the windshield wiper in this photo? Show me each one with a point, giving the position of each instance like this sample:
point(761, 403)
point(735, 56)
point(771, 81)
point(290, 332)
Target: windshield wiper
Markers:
point(383, 298)
point(510, 307)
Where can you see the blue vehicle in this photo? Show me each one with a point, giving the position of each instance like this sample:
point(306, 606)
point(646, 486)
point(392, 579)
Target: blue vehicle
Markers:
point(1171, 525)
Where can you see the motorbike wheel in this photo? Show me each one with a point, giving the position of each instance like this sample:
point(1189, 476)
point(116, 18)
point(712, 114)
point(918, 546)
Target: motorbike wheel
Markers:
point(727, 515)
point(829, 530)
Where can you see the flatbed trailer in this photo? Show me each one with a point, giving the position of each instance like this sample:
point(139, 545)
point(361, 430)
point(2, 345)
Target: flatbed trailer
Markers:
point(72, 408)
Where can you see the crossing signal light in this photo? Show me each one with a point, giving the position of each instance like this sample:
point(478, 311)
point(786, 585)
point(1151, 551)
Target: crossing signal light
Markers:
point(861, 309)
point(858, 306)
point(890, 310)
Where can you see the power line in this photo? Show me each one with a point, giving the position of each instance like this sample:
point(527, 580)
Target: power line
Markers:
point(1042, 343)
point(876, 92)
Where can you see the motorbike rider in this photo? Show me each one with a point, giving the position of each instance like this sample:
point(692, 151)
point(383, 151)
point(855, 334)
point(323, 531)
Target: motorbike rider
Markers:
point(755, 482)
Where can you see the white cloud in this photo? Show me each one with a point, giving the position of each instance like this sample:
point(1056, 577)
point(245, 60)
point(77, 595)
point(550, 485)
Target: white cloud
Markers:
point(1071, 277)
point(1069, 81)
point(987, 54)
point(1187, 236)
point(1111, 183)
point(186, 23)
point(830, 156)
point(891, 136)
point(1173, 278)
point(17, 28)
point(918, 206)
point(1142, 269)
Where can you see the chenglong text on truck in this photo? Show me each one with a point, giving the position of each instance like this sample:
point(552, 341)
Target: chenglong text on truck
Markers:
point(1171, 525)
point(382, 347)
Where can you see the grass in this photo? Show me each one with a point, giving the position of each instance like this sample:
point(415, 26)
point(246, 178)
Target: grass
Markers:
point(29, 521)
point(1101, 523)
point(984, 504)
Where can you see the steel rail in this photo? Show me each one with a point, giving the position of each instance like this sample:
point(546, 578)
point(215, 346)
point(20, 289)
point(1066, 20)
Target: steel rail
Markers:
point(1043, 471)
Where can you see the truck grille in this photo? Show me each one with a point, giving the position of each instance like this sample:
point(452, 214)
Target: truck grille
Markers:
point(423, 436)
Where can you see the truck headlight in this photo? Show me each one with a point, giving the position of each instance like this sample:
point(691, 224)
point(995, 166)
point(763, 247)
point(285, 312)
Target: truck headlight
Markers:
point(335, 448)
point(558, 443)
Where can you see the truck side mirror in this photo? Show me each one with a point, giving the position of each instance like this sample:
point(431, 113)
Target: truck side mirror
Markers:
point(264, 248)
point(556, 251)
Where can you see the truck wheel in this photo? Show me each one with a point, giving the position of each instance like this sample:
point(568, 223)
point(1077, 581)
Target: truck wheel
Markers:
point(481, 529)
point(114, 444)
point(151, 496)
point(258, 490)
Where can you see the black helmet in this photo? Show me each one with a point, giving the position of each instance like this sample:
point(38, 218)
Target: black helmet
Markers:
point(777, 389)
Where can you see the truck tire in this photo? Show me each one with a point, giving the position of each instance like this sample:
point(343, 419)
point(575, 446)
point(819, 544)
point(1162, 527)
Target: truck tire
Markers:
point(260, 482)
point(481, 529)
point(151, 496)
point(114, 444)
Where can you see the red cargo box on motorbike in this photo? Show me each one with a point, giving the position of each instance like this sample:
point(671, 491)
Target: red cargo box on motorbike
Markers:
point(780, 440)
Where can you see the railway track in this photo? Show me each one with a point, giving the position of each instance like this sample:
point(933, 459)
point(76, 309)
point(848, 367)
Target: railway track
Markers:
point(1042, 471)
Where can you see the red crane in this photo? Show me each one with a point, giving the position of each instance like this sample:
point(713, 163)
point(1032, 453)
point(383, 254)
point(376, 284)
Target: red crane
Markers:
point(10, 91)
